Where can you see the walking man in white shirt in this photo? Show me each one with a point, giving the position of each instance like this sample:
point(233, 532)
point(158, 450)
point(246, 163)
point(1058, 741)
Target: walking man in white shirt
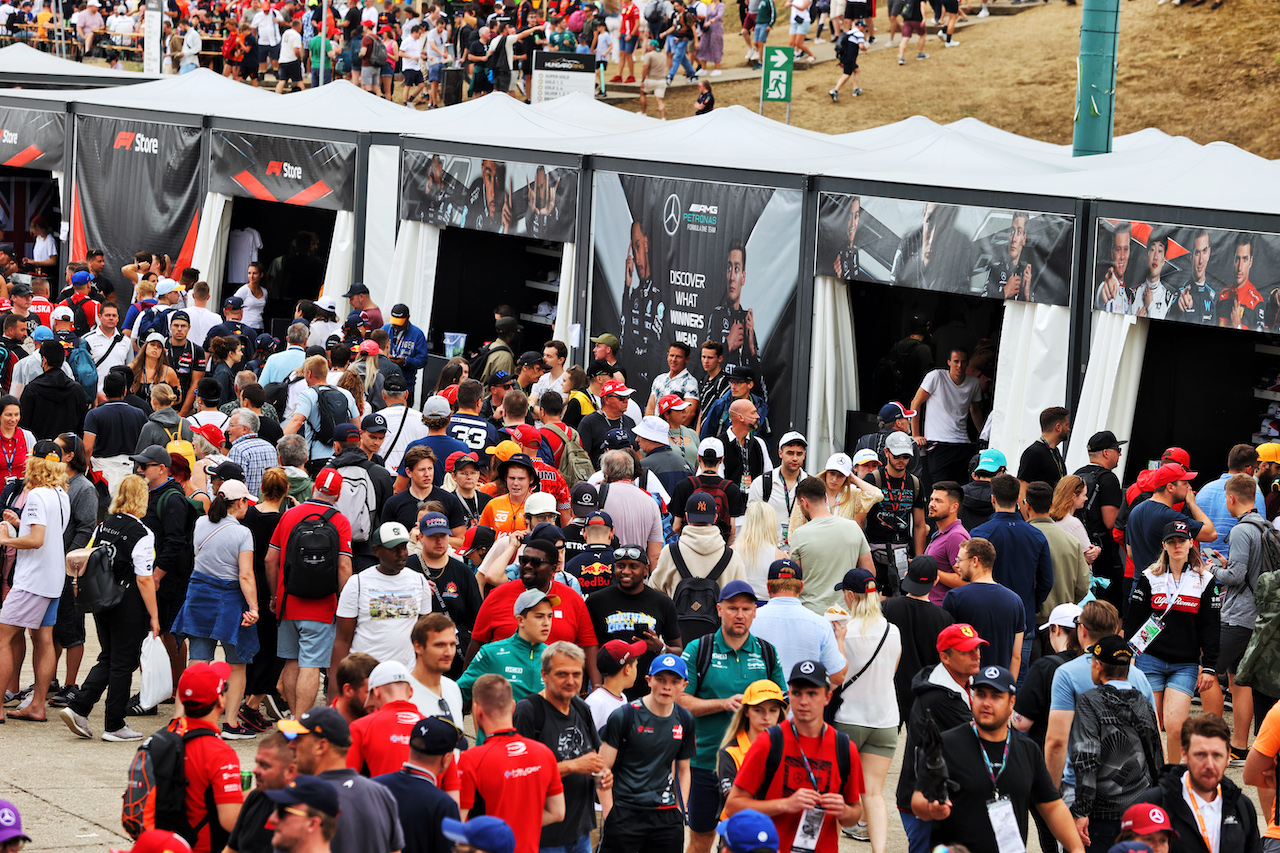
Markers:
point(437, 59)
point(411, 63)
point(291, 58)
point(952, 396)
point(267, 23)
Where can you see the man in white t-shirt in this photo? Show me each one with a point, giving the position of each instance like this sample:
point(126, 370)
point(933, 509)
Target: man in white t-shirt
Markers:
point(191, 45)
point(39, 570)
point(618, 663)
point(267, 23)
point(291, 58)
point(379, 606)
point(437, 58)
point(369, 14)
point(435, 646)
point(411, 47)
point(953, 396)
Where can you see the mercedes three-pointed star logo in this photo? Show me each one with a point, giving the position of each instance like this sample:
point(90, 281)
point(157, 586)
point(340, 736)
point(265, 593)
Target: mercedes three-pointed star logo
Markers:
point(671, 215)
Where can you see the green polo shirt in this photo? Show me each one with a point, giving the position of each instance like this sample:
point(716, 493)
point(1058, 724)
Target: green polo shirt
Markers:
point(731, 672)
point(515, 659)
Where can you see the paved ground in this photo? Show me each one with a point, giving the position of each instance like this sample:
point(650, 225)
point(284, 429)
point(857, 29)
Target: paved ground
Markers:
point(68, 790)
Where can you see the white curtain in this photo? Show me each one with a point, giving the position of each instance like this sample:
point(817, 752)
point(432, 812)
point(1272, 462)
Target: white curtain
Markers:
point(65, 250)
point(1033, 373)
point(423, 296)
point(833, 384)
point(412, 274)
point(383, 196)
point(210, 255)
point(337, 273)
point(1110, 393)
point(564, 301)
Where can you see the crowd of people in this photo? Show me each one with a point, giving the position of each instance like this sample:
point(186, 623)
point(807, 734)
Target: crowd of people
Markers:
point(656, 618)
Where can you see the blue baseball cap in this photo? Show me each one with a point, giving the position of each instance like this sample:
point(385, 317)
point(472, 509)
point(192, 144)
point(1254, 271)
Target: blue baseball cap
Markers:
point(490, 834)
point(501, 377)
point(669, 663)
point(991, 461)
point(42, 333)
point(617, 439)
point(307, 791)
point(748, 830)
point(733, 588)
point(700, 508)
point(81, 278)
point(433, 523)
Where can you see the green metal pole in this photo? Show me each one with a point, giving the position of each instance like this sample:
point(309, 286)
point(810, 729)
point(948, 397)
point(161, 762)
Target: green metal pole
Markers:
point(1096, 82)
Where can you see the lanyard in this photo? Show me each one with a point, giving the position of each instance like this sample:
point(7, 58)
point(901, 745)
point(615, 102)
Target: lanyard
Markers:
point(421, 772)
point(1057, 457)
point(1004, 762)
point(789, 501)
point(10, 450)
point(804, 758)
point(1175, 593)
point(1195, 807)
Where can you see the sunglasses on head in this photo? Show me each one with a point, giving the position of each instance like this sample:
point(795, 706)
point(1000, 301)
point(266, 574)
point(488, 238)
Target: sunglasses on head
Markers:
point(632, 553)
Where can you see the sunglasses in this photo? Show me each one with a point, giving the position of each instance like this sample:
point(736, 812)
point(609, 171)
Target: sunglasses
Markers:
point(531, 561)
point(896, 456)
point(281, 811)
point(632, 553)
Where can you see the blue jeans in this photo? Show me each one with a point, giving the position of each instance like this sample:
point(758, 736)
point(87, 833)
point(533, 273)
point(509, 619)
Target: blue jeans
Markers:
point(187, 69)
point(1027, 640)
point(919, 832)
point(582, 845)
point(678, 58)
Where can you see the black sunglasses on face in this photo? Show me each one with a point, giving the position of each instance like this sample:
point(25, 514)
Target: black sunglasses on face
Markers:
point(531, 561)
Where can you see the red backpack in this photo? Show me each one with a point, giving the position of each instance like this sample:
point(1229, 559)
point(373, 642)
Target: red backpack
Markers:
point(724, 520)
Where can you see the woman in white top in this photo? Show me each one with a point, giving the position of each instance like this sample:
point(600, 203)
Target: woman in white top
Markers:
point(1069, 496)
point(868, 713)
point(45, 253)
point(757, 544)
point(848, 495)
point(255, 302)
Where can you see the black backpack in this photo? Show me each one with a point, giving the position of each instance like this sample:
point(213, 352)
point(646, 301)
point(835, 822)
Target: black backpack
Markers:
point(277, 393)
point(695, 598)
point(476, 366)
point(311, 556)
point(156, 795)
point(495, 61)
point(99, 588)
point(79, 319)
point(702, 661)
point(332, 408)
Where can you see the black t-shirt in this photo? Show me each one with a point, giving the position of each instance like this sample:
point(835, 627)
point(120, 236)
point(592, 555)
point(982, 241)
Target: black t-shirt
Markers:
point(1024, 780)
point(404, 508)
point(352, 19)
point(116, 426)
point(568, 736)
point(891, 519)
point(685, 488)
point(269, 430)
point(593, 568)
point(473, 506)
point(616, 615)
point(1043, 463)
point(996, 612)
point(184, 360)
point(919, 623)
point(457, 592)
point(1037, 691)
point(1103, 490)
point(250, 834)
point(642, 777)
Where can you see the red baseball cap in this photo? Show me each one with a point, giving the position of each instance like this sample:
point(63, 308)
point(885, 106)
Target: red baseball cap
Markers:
point(211, 433)
point(158, 841)
point(525, 434)
point(329, 481)
point(1169, 472)
point(450, 394)
point(1177, 454)
point(1146, 818)
point(616, 386)
point(202, 683)
point(451, 464)
point(961, 637)
point(623, 653)
point(672, 403)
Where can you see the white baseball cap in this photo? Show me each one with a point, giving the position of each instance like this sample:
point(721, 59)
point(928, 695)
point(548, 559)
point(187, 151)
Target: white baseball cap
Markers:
point(839, 462)
point(539, 503)
point(654, 429)
point(1064, 616)
point(327, 303)
point(711, 447)
point(792, 437)
point(900, 444)
point(388, 672)
point(864, 456)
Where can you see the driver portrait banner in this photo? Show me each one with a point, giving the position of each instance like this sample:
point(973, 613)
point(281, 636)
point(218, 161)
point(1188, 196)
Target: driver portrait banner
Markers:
point(304, 172)
point(137, 187)
point(998, 253)
point(690, 261)
point(32, 139)
point(502, 197)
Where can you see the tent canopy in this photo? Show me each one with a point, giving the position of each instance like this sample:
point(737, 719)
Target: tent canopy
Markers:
point(889, 134)
point(580, 108)
point(201, 92)
point(340, 105)
point(500, 120)
point(26, 66)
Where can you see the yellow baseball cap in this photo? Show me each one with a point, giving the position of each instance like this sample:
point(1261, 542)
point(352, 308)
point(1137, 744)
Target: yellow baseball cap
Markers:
point(759, 692)
point(504, 450)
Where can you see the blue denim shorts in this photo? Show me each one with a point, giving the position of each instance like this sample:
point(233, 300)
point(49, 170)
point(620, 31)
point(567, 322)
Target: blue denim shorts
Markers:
point(308, 642)
point(1169, 676)
point(202, 648)
point(761, 34)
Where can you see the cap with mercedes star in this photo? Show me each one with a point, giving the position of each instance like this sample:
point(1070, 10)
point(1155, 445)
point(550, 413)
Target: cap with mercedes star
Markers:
point(998, 677)
point(1104, 440)
point(961, 636)
point(374, 423)
point(793, 437)
point(11, 824)
point(922, 574)
point(839, 462)
point(583, 499)
point(1146, 818)
point(321, 721)
point(809, 672)
point(899, 444)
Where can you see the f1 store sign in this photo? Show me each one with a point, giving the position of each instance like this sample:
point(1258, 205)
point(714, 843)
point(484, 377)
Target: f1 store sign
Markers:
point(136, 142)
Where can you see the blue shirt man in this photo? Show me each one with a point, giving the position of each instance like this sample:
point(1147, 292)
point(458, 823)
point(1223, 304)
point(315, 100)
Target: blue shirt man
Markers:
point(408, 345)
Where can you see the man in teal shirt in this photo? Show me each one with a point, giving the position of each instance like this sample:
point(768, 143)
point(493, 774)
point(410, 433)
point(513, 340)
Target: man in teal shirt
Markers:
point(737, 659)
point(518, 658)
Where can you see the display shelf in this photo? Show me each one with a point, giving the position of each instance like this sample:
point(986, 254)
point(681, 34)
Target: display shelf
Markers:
point(546, 321)
point(1266, 395)
point(548, 286)
point(1266, 349)
point(539, 250)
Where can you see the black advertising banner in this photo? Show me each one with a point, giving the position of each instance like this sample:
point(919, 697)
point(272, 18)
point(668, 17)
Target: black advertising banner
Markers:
point(1206, 276)
point(137, 187)
point(689, 261)
point(525, 199)
point(32, 139)
point(999, 253)
point(305, 172)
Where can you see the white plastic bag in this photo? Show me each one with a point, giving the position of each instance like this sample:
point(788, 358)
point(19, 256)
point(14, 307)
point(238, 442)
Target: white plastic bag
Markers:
point(157, 678)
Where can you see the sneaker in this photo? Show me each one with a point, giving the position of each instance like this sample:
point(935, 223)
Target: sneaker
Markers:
point(78, 724)
point(135, 708)
point(857, 832)
point(754, 55)
point(275, 707)
point(835, 96)
point(237, 732)
point(631, 80)
point(251, 718)
point(901, 61)
point(63, 696)
point(920, 56)
point(953, 43)
point(617, 78)
point(756, 66)
point(124, 734)
point(819, 41)
point(985, 13)
point(933, 22)
point(749, 57)
point(716, 73)
point(1238, 757)
point(871, 40)
point(857, 92)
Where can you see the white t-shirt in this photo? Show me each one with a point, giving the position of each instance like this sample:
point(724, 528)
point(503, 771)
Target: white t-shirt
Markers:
point(428, 701)
point(410, 52)
point(385, 608)
point(242, 248)
point(398, 439)
point(41, 570)
point(290, 51)
point(369, 15)
point(45, 249)
point(255, 305)
point(547, 383)
point(320, 332)
point(948, 406)
point(603, 703)
point(215, 417)
point(798, 12)
point(604, 44)
point(268, 26)
point(202, 322)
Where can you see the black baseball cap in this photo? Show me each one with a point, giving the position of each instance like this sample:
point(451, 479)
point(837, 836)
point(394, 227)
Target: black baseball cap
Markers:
point(356, 289)
point(395, 384)
point(998, 677)
point(809, 672)
point(922, 574)
point(584, 499)
point(435, 736)
point(321, 721)
point(785, 569)
point(600, 367)
point(228, 471)
point(1104, 440)
point(530, 358)
point(1111, 649)
point(307, 791)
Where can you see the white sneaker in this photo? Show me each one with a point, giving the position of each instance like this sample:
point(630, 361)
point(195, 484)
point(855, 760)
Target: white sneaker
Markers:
point(716, 73)
point(819, 41)
point(79, 725)
point(985, 13)
point(754, 55)
point(933, 22)
point(953, 43)
point(122, 735)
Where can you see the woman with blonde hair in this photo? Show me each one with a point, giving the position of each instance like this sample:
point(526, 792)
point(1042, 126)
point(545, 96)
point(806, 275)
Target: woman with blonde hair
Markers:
point(1069, 496)
point(757, 543)
point(868, 710)
point(763, 704)
point(38, 570)
point(366, 367)
point(121, 629)
point(164, 424)
point(1173, 624)
point(848, 495)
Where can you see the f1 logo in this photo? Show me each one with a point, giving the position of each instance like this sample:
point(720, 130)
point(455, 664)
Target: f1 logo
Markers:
point(124, 139)
point(273, 168)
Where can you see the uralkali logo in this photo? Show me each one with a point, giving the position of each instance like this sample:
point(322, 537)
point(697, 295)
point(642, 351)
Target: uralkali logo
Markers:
point(284, 169)
point(8, 137)
point(137, 143)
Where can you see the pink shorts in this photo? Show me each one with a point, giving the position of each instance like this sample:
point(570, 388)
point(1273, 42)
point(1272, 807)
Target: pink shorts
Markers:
point(24, 609)
point(913, 28)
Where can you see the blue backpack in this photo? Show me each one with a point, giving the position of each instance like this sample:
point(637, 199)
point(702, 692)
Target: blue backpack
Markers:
point(80, 360)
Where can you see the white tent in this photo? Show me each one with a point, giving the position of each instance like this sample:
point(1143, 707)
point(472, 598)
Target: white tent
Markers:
point(580, 108)
point(21, 65)
point(887, 135)
point(199, 93)
point(500, 120)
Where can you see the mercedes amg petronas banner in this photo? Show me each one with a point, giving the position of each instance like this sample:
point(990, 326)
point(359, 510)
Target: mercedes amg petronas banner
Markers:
point(136, 188)
point(305, 172)
point(32, 139)
point(949, 248)
point(525, 199)
point(690, 261)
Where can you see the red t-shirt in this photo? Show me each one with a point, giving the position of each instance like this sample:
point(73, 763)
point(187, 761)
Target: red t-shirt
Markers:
point(209, 762)
point(630, 21)
point(43, 309)
point(311, 609)
point(552, 482)
point(791, 777)
point(510, 777)
point(497, 620)
point(380, 741)
point(90, 308)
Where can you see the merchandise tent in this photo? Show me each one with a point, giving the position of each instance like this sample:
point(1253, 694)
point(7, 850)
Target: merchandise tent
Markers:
point(35, 149)
point(25, 67)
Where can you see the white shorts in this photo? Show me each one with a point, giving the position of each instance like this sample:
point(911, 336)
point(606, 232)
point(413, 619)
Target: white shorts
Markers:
point(837, 8)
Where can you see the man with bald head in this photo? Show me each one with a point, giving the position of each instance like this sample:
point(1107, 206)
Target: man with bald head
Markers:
point(745, 456)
